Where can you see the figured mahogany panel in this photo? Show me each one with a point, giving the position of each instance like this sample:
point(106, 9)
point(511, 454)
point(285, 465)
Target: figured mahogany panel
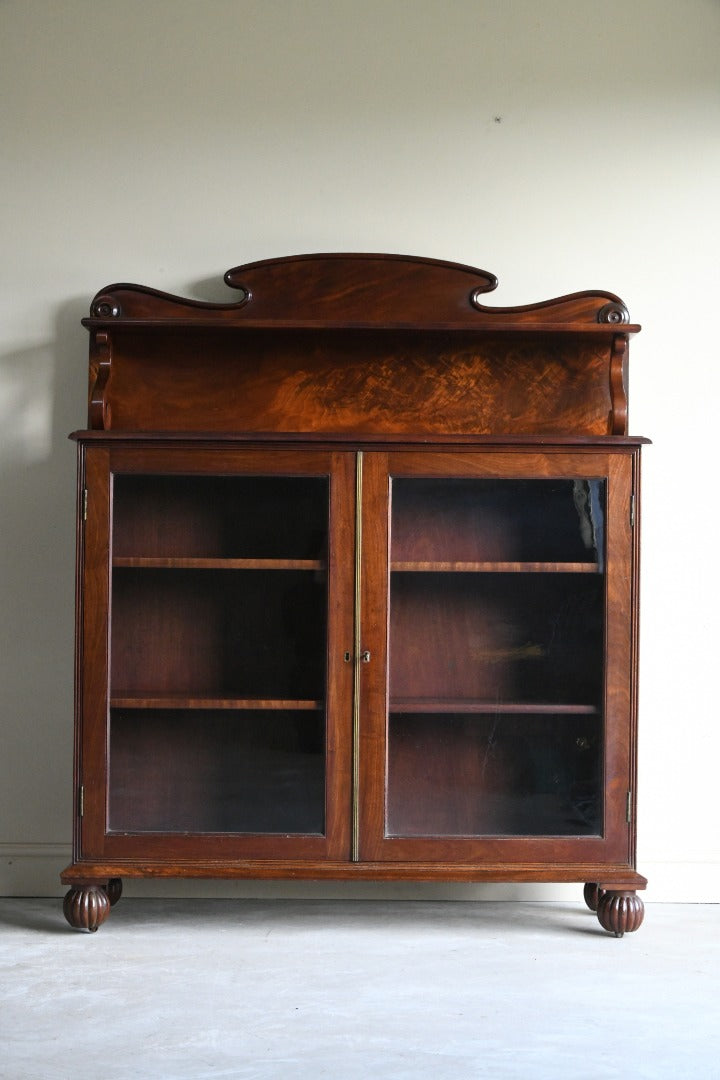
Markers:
point(372, 382)
point(395, 288)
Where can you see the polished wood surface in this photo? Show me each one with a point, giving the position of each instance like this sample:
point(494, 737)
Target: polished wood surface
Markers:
point(358, 343)
point(345, 382)
point(608, 875)
point(359, 289)
point(340, 612)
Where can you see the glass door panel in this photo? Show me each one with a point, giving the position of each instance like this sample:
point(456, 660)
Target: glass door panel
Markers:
point(496, 675)
point(222, 771)
point(218, 654)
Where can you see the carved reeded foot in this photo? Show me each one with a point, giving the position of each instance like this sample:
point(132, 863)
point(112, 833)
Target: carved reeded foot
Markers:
point(114, 890)
point(620, 912)
point(86, 907)
point(592, 893)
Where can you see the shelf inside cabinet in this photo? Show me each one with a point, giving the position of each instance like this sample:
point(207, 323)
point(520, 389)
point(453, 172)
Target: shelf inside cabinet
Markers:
point(463, 705)
point(462, 567)
point(182, 563)
point(127, 700)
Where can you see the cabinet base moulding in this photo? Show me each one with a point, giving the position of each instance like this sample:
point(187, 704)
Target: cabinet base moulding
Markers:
point(94, 889)
point(607, 878)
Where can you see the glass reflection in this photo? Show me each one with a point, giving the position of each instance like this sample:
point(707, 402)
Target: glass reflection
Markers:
point(497, 601)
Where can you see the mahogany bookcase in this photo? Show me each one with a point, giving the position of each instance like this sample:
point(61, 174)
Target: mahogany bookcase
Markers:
point(357, 587)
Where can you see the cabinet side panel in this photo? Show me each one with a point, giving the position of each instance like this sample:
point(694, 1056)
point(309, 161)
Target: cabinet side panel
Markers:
point(78, 674)
point(95, 596)
point(619, 654)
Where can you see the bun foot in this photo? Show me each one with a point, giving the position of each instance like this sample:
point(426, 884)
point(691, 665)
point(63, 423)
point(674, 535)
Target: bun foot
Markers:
point(620, 912)
point(114, 890)
point(591, 894)
point(86, 907)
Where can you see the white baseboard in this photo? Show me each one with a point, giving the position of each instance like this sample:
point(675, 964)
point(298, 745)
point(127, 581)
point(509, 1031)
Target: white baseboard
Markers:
point(34, 870)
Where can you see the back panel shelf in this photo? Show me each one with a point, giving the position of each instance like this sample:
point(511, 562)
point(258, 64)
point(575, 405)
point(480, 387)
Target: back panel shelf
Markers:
point(193, 771)
point(521, 524)
point(209, 634)
point(238, 521)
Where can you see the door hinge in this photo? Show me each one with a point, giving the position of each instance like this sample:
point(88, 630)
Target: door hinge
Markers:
point(84, 504)
point(632, 511)
point(628, 808)
point(81, 801)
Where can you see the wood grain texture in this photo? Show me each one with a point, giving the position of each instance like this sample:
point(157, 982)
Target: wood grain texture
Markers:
point(363, 343)
point(92, 645)
point(229, 867)
point(359, 289)
point(618, 380)
point(495, 567)
point(178, 563)
point(181, 701)
point(99, 412)
point(174, 379)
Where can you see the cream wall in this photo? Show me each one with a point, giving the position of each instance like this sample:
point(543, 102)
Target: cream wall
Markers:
point(560, 144)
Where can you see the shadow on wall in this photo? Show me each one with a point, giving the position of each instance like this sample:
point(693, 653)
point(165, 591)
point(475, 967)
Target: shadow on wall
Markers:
point(42, 396)
point(212, 289)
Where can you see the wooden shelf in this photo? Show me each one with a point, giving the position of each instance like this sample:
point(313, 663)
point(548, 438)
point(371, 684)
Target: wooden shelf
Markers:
point(178, 563)
point(231, 321)
point(125, 700)
point(462, 705)
point(495, 567)
point(417, 440)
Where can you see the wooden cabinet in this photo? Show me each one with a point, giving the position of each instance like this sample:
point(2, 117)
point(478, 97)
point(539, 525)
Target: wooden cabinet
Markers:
point(357, 586)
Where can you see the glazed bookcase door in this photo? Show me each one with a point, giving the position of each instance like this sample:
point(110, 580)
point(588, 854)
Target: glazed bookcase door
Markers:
point(496, 706)
point(215, 688)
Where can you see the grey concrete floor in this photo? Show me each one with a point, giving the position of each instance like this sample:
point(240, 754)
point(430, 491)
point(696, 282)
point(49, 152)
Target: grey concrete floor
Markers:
point(193, 989)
